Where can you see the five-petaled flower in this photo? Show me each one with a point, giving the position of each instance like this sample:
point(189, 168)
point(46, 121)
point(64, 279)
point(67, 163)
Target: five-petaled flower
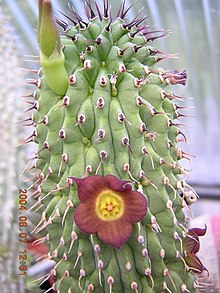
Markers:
point(191, 246)
point(108, 207)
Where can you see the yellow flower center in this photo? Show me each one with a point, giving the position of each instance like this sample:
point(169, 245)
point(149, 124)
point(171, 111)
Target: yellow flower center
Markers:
point(109, 206)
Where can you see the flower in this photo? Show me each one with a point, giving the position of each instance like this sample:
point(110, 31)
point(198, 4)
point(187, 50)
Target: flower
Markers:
point(191, 247)
point(108, 207)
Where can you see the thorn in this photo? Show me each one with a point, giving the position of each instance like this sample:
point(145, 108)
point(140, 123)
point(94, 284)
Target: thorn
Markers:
point(50, 171)
point(169, 205)
point(145, 152)
point(37, 203)
point(41, 240)
point(66, 274)
point(56, 214)
point(74, 237)
point(100, 266)
point(62, 259)
point(110, 281)
point(171, 123)
point(43, 219)
point(63, 160)
point(183, 107)
point(32, 61)
point(34, 107)
point(155, 225)
point(183, 115)
point(134, 286)
point(147, 181)
point(81, 275)
point(125, 142)
point(61, 243)
point(62, 23)
point(150, 37)
point(166, 288)
point(166, 273)
point(98, 11)
point(49, 222)
point(39, 179)
point(52, 288)
point(28, 139)
point(138, 82)
point(184, 288)
point(26, 96)
point(178, 255)
point(107, 28)
point(88, 10)
point(106, 9)
point(103, 155)
point(26, 167)
point(148, 274)
point(47, 278)
point(176, 77)
point(121, 52)
point(145, 254)
point(69, 205)
point(167, 182)
point(32, 56)
point(46, 146)
point(53, 190)
point(81, 23)
point(127, 169)
point(44, 277)
point(177, 237)
point(78, 257)
point(68, 17)
point(36, 82)
point(35, 194)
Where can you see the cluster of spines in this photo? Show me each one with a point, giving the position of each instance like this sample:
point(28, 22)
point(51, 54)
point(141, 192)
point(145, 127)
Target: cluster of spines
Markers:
point(116, 117)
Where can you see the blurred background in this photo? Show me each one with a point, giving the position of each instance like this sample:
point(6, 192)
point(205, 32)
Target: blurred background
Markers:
point(194, 35)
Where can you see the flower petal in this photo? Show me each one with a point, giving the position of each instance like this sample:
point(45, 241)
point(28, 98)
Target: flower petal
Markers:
point(135, 206)
point(86, 219)
point(89, 187)
point(115, 233)
point(116, 184)
point(191, 244)
point(197, 231)
point(194, 263)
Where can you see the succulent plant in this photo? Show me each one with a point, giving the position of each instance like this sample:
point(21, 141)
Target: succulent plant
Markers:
point(109, 183)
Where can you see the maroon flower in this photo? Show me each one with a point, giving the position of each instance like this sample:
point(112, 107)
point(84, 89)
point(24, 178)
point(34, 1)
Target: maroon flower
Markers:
point(191, 247)
point(108, 207)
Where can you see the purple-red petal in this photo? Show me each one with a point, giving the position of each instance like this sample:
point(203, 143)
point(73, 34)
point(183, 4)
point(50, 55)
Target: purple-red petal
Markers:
point(86, 219)
point(194, 263)
point(116, 184)
point(115, 233)
point(197, 231)
point(191, 244)
point(135, 206)
point(89, 187)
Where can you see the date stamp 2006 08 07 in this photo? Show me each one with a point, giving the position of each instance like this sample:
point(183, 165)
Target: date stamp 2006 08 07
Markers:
point(22, 222)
